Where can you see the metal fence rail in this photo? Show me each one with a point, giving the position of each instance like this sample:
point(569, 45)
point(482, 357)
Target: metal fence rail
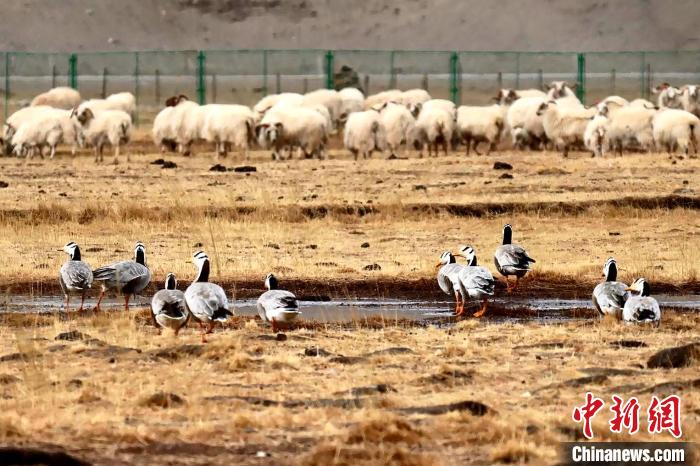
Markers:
point(244, 76)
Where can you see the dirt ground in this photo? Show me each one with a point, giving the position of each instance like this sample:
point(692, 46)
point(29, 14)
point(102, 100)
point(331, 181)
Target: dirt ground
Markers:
point(108, 390)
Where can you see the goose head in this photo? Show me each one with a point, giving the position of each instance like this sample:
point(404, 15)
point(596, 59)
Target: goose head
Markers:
point(641, 286)
point(140, 253)
point(271, 282)
point(610, 269)
point(469, 254)
point(170, 282)
point(201, 261)
point(507, 233)
point(445, 258)
point(72, 250)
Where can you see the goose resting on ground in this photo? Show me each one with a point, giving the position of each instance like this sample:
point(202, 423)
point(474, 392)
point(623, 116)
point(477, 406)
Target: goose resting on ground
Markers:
point(641, 308)
point(511, 259)
point(609, 297)
point(168, 306)
point(277, 306)
point(75, 275)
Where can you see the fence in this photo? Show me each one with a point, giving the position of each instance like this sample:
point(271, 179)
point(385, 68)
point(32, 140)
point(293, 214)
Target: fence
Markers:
point(244, 76)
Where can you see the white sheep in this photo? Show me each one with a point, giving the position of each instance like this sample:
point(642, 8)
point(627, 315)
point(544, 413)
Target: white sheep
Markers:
point(58, 97)
point(668, 96)
point(434, 127)
point(14, 121)
point(412, 97)
point(398, 123)
point(642, 103)
point(330, 99)
point(690, 99)
point(28, 115)
point(674, 129)
point(36, 134)
point(564, 125)
point(374, 100)
point(508, 96)
point(365, 133)
point(108, 126)
point(628, 127)
point(124, 101)
point(164, 136)
point(353, 100)
point(443, 104)
point(229, 125)
point(186, 122)
point(287, 127)
point(269, 101)
point(559, 89)
point(480, 124)
point(594, 135)
point(524, 124)
point(615, 100)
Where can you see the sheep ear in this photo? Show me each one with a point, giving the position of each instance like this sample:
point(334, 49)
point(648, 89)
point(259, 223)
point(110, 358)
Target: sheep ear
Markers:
point(572, 86)
point(278, 125)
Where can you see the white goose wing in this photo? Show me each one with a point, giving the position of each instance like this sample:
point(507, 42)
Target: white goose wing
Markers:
point(477, 278)
point(610, 297)
point(76, 275)
point(448, 277)
point(207, 301)
point(513, 256)
point(276, 300)
point(126, 274)
point(641, 309)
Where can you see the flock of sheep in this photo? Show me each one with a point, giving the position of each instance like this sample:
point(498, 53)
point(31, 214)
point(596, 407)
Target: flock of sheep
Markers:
point(388, 121)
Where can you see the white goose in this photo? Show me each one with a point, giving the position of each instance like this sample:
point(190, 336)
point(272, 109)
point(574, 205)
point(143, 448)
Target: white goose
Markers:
point(448, 279)
point(641, 308)
point(475, 280)
point(277, 306)
point(206, 301)
point(75, 275)
point(168, 306)
point(609, 297)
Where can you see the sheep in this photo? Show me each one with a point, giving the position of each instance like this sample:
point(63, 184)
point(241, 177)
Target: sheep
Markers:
point(186, 123)
point(524, 124)
point(668, 96)
point(269, 101)
point(434, 127)
point(594, 135)
point(124, 101)
point(508, 96)
point(163, 135)
point(365, 133)
point(690, 99)
point(353, 100)
point(45, 130)
point(58, 97)
point(642, 103)
point(564, 125)
point(392, 95)
point(226, 125)
point(414, 96)
point(398, 123)
point(18, 118)
point(446, 105)
point(330, 99)
point(559, 89)
point(480, 124)
point(615, 100)
point(673, 128)
point(289, 126)
point(108, 126)
point(628, 127)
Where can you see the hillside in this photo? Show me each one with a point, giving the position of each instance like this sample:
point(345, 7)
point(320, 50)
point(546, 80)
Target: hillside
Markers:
point(593, 25)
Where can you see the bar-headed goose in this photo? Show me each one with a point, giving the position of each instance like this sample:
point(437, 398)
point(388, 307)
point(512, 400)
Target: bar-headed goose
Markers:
point(476, 280)
point(511, 259)
point(609, 297)
point(126, 277)
point(448, 279)
point(168, 306)
point(75, 276)
point(277, 306)
point(206, 301)
point(641, 308)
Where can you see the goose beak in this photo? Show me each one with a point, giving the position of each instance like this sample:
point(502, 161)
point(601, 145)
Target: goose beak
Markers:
point(438, 265)
point(459, 254)
point(629, 289)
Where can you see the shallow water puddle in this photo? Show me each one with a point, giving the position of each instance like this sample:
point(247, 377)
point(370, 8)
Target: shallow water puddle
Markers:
point(345, 310)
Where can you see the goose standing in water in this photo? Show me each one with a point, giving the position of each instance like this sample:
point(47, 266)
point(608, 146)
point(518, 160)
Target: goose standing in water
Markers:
point(168, 306)
point(277, 306)
point(641, 308)
point(75, 275)
point(511, 259)
point(448, 279)
point(126, 277)
point(477, 281)
point(206, 301)
point(610, 296)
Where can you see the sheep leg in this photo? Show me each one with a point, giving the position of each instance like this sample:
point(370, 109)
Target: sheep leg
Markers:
point(468, 143)
point(97, 158)
point(492, 146)
point(53, 152)
point(476, 147)
point(444, 147)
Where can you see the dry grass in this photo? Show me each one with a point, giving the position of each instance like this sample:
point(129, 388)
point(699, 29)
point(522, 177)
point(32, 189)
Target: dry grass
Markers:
point(242, 394)
point(308, 219)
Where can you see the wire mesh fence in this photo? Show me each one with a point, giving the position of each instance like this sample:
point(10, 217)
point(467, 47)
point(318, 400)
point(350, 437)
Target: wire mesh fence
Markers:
point(244, 76)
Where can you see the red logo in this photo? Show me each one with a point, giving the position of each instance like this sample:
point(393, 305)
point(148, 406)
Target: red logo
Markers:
point(626, 415)
point(586, 412)
point(665, 415)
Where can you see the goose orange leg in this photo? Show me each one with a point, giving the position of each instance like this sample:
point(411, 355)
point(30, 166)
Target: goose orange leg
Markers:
point(484, 305)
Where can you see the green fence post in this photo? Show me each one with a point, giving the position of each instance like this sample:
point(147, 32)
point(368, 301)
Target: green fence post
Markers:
point(330, 70)
point(454, 76)
point(73, 71)
point(7, 83)
point(581, 78)
point(136, 87)
point(201, 89)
